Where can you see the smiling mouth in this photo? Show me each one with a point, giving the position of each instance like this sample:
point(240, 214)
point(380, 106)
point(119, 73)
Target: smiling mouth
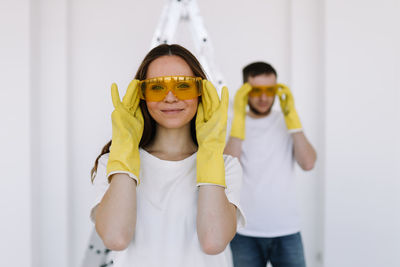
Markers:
point(172, 111)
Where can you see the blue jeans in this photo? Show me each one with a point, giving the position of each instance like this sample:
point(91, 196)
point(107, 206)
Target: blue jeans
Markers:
point(282, 251)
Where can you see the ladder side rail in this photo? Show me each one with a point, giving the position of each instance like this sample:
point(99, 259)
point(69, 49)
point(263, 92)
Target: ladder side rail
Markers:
point(203, 44)
point(158, 33)
point(174, 16)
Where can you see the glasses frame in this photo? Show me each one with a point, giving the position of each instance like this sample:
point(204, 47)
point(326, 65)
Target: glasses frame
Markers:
point(170, 79)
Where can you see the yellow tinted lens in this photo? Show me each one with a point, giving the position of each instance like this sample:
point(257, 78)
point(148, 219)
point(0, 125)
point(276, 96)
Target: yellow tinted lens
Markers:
point(155, 91)
point(182, 87)
point(270, 91)
point(255, 92)
point(186, 90)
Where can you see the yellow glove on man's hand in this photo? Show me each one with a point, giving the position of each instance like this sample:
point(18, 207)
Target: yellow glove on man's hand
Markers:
point(211, 120)
point(239, 111)
point(289, 111)
point(127, 130)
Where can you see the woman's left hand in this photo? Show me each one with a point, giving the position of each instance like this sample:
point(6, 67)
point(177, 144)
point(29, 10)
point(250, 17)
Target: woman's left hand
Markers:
point(211, 120)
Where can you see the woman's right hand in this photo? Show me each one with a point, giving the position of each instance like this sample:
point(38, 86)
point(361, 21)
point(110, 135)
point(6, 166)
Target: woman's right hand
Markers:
point(211, 120)
point(127, 130)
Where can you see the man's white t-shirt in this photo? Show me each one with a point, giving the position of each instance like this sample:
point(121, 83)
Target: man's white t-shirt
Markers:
point(268, 195)
point(165, 232)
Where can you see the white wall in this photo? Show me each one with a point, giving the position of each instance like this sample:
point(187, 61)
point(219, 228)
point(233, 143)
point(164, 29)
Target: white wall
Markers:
point(49, 98)
point(307, 83)
point(362, 132)
point(15, 107)
point(59, 58)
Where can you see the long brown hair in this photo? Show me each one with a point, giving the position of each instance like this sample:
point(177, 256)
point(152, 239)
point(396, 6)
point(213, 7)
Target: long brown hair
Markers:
point(149, 130)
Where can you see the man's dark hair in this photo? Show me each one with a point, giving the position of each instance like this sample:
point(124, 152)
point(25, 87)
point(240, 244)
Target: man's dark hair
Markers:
point(257, 68)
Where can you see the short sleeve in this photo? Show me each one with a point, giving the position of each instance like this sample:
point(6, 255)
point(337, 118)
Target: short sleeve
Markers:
point(233, 180)
point(100, 182)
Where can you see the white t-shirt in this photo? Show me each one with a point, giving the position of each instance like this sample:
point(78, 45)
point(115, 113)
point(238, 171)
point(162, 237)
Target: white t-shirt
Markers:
point(165, 232)
point(268, 195)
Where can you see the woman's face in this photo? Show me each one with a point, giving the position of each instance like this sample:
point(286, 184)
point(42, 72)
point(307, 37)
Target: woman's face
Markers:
point(171, 112)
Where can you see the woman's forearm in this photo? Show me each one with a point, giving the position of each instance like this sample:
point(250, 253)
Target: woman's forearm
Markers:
point(115, 215)
point(216, 219)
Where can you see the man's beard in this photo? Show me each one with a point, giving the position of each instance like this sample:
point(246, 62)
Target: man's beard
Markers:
point(255, 111)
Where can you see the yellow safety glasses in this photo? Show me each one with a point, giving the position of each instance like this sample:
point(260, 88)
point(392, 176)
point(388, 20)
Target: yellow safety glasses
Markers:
point(183, 87)
point(269, 90)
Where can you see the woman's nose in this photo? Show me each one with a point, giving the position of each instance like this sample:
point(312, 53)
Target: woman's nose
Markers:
point(170, 97)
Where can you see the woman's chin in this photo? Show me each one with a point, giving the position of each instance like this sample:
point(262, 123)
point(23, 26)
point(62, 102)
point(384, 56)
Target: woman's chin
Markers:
point(173, 123)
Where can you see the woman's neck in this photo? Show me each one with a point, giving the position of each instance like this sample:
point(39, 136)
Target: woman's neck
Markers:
point(172, 144)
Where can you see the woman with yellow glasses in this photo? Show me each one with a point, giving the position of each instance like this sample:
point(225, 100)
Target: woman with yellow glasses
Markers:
point(166, 194)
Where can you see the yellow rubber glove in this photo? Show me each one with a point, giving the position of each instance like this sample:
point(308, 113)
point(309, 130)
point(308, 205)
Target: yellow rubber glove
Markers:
point(211, 120)
point(239, 111)
point(127, 130)
point(289, 111)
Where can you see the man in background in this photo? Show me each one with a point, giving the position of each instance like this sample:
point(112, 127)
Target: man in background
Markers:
point(268, 143)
